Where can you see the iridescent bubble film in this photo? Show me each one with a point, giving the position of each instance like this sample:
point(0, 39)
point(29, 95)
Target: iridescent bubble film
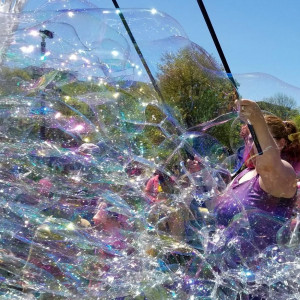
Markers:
point(106, 180)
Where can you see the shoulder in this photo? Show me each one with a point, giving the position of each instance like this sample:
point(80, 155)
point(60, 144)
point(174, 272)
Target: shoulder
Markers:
point(289, 170)
point(280, 181)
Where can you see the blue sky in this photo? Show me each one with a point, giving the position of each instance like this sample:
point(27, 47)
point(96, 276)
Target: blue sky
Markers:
point(256, 36)
point(260, 38)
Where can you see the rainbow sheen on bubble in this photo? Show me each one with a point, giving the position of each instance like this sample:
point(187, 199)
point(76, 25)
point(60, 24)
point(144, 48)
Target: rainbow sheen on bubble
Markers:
point(82, 132)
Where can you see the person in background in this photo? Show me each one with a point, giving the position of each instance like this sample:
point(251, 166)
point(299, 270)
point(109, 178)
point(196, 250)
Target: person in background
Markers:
point(239, 161)
point(244, 152)
point(268, 184)
point(158, 186)
point(165, 214)
point(111, 224)
point(45, 186)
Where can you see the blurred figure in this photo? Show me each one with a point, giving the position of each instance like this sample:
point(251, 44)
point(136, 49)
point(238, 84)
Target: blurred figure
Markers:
point(199, 183)
point(240, 160)
point(110, 227)
point(158, 186)
point(243, 153)
point(192, 166)
point(45, 187)
point(107, 219)
point(165, 214)
point(111, 224)
point(134, 169)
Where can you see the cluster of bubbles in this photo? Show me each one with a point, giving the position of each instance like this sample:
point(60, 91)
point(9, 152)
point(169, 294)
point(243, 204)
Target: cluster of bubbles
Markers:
point(82, 131)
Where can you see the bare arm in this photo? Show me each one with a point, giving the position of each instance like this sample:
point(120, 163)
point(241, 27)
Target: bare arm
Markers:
point(277, 177)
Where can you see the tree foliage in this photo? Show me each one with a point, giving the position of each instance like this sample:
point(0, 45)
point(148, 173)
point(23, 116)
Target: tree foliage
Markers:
point(296, 119)
point(192, 81)
point(281, 105)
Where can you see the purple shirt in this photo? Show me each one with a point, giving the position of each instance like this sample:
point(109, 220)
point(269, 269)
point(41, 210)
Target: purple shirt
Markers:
point(245, 205)
point(249, 195)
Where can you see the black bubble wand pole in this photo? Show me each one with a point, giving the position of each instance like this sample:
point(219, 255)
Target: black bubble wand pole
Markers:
point(143, 60)
point(226, 66)
point(138, 50)
point(44, 35)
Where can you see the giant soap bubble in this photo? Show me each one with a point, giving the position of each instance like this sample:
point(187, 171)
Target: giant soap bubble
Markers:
point(83, 135)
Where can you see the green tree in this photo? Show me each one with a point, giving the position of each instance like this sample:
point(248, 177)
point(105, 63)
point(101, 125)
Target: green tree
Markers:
point(280, 105)
point(296, 119)
point(191, 82)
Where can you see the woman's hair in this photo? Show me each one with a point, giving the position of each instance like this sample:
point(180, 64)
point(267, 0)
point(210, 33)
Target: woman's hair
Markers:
point(292, 150)
point(287, 130)
point(290, 127)
point(277, 127)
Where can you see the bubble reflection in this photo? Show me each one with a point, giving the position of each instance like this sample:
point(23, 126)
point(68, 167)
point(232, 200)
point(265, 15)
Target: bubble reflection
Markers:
point(83, 138)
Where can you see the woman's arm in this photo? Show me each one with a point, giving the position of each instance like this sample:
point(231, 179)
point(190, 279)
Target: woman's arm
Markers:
point(277, 177)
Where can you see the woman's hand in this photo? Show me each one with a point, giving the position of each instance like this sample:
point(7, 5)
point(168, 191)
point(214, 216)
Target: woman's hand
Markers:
point(249, 111)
